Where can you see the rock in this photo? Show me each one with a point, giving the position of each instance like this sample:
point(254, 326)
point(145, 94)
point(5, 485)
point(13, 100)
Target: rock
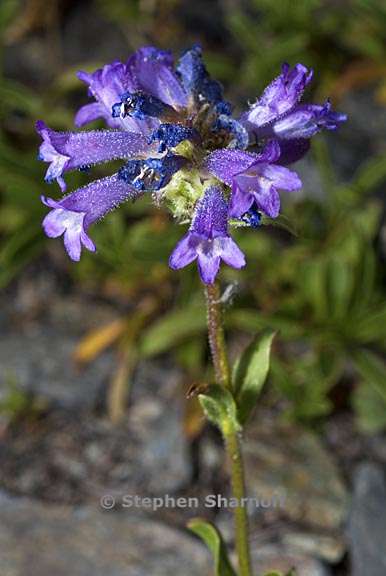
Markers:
point(279, 559)
point(37, 539)
point(367, 522)
point(85, 456)
point(156, 423)
point(38, 336)
point(290, 462)
point(326, 547)
point(38, 359)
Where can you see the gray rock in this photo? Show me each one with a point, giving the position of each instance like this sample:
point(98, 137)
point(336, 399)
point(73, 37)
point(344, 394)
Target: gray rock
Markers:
point(85, 455)
point(280, 559)
point(290, 462)
point(323, 546)
point(38, 359)
point(38, 335)
point(40, 540)
point(367, 523)
point(156, 421)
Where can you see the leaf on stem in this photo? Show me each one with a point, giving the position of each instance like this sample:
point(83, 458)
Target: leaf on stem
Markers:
point(220, 409)
point(213, 539)
point(250, 372)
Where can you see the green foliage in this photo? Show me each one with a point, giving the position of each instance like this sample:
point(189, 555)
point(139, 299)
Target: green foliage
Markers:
point(220, 409)
point(212, 538)
point(173, 328)
point(323, 36)
point(369, 398)
point(250, 373)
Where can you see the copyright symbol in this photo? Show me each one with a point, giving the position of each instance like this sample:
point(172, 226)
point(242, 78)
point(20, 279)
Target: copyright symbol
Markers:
point(107, 502)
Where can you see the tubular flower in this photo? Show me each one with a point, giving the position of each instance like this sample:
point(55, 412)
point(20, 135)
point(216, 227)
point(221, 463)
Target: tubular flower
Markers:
point(179, 141)
point(208, 240)
point(278, 114)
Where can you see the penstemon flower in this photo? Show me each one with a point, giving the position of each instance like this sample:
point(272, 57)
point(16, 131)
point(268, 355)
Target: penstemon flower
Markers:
point(180, 143)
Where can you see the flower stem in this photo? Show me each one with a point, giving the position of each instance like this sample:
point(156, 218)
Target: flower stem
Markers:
point(222, 372)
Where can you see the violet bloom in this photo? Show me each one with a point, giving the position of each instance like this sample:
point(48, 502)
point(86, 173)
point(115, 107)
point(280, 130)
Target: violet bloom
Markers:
point(176, 135)
point(208, 240)
point(278, 114)
point(255, 179)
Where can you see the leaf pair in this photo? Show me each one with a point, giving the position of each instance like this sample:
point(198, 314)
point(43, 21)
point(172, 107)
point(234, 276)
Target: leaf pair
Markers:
point(230, 410)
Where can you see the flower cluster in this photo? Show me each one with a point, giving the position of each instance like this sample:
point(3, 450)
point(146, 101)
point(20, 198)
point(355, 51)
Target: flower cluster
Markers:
point(179, 142)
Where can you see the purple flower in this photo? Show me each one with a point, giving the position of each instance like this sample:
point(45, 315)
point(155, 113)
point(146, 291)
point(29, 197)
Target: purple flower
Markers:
point(278, 114)
point(208, 240)
point(153, 72)
point(70, 150)
point(280, 96)
point(105, 85)
point(305, 121)
point(179, 141)
point(254, 178)
point(73, 214)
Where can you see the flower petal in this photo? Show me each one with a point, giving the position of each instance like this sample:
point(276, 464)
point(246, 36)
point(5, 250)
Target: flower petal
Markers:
point(240, 202)
point(88, 113)
point(231, 253)
point(282, 177)
point(267, 198)
point(248, 187)
point(106, 85)
point(225, 164)
point(305, 121)
point(208, 267)
point(184, 253)
point(61, 221)
point(151, 69)
point(280, 96)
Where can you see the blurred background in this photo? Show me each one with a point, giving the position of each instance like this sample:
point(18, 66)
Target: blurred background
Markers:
point(97, 358)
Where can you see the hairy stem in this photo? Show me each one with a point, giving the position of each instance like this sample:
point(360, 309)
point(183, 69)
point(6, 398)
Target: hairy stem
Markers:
point(222, 371)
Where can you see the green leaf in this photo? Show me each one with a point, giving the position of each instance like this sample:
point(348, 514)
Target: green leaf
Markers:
point(220, 409)
point(250, 373)
point(370, 408)
point(372, 369)
point(373, 326)
point(212, 538)
point(339, 286)
point(172, 329)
